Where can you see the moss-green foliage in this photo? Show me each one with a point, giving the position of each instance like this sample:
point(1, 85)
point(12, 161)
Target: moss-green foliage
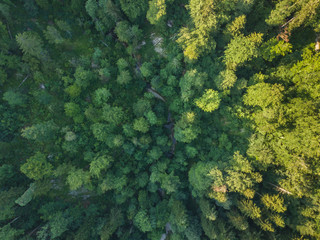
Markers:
point(209, 101)
point(187, 119)
point(37, 167)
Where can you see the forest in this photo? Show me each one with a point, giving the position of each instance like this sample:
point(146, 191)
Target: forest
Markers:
point(160, 119)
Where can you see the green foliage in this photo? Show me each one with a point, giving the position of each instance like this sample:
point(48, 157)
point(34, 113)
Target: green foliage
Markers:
point(99, 164)
point(190, 82)
point(142, 221)
point(237, 220)
point(77, 178)
point(114, 115)
point(269, 95)
point(134, 9)
point(208, 211)
point(124, 77)
point(83, 77)
point(159, 119)
point(209, 101)
point(115, 219)
point(186, 130)
point(14, 98)
point(273, 202)
point(9, 233)
point(249, 209)
point(53, 35)
point(300, 13)
point(237, 25)
point(91, 8)
point(226, 79)
point(73, 90)
point(37, 167)
point(274, 48)
point(7, 200)
point(146, 69)
point(30, 43)
point(72, 109)
point(101, 96)
point(242, 49)
point(141, 125)
point(178, 215)
point(199, 179)
point(157, 9)
point(126, 33)
point(195, 41)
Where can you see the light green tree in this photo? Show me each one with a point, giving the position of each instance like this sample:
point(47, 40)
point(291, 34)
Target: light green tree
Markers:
point(209, 101)
point(274, 203)
point(156, 12)
point(142, 221)
point(242, 49)
point(37, 167)
point(77, 178)
point(141, 125)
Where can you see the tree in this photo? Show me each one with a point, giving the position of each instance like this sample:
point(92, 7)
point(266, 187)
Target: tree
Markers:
point(226, 79)
point(237, 25)
point(9, 233)
point(142, 221)
point(123, 31)
point(242, 49)
point(30, 43)
point(299, 13)
point(41, 132)
point(134, 9)
point(196, 40)
point(7, 200)
point(273, 48)
point(53, 35)
point(199, 178)
point(91, 8)
point(99, 164)
point(146, 69)
point(209, 101)
point(269, 95)
point(208, 210)
point(191, 83)
point(14, 98)
point(141, 125)
point(178, 216)
point(73, 110)
point(77, 178)
point(124, 77)
point(274, 203)
point(83, 77)
point(237, 220)
point(249, 209)
point(37, 167)
point(113, 115)
point(101, 96)
point(156, 12)
point(115, 219)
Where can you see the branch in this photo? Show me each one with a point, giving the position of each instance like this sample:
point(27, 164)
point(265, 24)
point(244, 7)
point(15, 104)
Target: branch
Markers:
point(288, 22)
point(9, 31)
point(280, 189)
point(24, 80)
point(14, 220)
point(29, 234)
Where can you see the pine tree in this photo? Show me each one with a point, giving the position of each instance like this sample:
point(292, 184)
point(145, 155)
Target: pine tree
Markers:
point(37, 167)
point(30, 43)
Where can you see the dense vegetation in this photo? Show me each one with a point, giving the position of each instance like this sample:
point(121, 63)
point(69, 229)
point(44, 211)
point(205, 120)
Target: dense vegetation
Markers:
point(176, 119)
